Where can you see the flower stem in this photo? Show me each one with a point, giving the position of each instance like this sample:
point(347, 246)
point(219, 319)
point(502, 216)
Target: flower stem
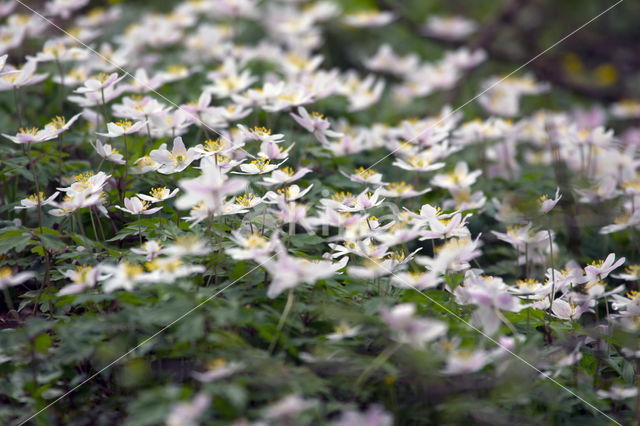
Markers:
point(377, 363)
point(16, 101)
point(32, 167)
point(283, 319)
point(126, 158)
point(9, 302)
point(61, 72)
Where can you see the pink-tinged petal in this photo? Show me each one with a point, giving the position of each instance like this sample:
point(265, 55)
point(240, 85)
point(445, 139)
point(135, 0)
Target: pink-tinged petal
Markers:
point(117, 207)
point(178, 145)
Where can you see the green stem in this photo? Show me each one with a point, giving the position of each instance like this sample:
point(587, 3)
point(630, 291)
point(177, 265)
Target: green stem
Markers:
point(283, 319)
point(126, 158)
point(61, 72)
point(377, 363)
point(16, 101)
point(32, 167)
point(9, 302)
point(105, 112)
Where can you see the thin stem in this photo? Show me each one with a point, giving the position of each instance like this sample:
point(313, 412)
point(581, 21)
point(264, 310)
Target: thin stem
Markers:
point(126, 158)
point(93, 225)
point(61, 72)
point(148, 129)
point(377, 363)
point(283, 319)
point(506, 322)
point(105, 112)
point(32, 167)
point(16, 101)
point(9, 302)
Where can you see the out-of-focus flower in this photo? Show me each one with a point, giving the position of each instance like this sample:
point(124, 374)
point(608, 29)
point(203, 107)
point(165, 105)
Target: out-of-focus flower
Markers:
point(411, 330)
point(218, 369)
point(26, 76)
point(83, 277)
point(187, 413)
point(289, 271)
point(343, 331)
point(288, 407)
point(151, 249)
point(368, 18)
point(8, 278)
point(372, 416)
point(450, 27)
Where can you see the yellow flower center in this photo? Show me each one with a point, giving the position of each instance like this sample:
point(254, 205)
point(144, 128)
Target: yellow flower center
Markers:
point(245, 200)
point(37, 197)
point(255, 241)
point(124, 124)
point(341, 196)
point(5, 272)
point(58, 122)
point(399, 187)
point(159, 193)
point(261, 131)
point(132, 271)
point(364, 173)
point(28, 131)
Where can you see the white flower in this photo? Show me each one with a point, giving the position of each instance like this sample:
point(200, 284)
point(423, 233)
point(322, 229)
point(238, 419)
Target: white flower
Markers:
point(136, 206)
point(343, 331)
point(151, 249)
point(25, 76)
point(210, 188)
point(83, 277)
point(219, 369)
point(618, 393)
point(253, 246)
point(124, 127)
point(284, 176)
point(9, 279)
point(258, 167)
point(450, 27)
point(316, 124)
point(108, 152)
point(157, 195)
point(546, 204)
point(176, 160)
point(411, 330)
point(187, 413)
point(368, 18)
point(601, 269)
point(32, 135)
point(288, 407)
point(289, 272)
point(568, 310)
point(99, 83)
point(64, 8)
point(123, 275)
point(34, 200)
